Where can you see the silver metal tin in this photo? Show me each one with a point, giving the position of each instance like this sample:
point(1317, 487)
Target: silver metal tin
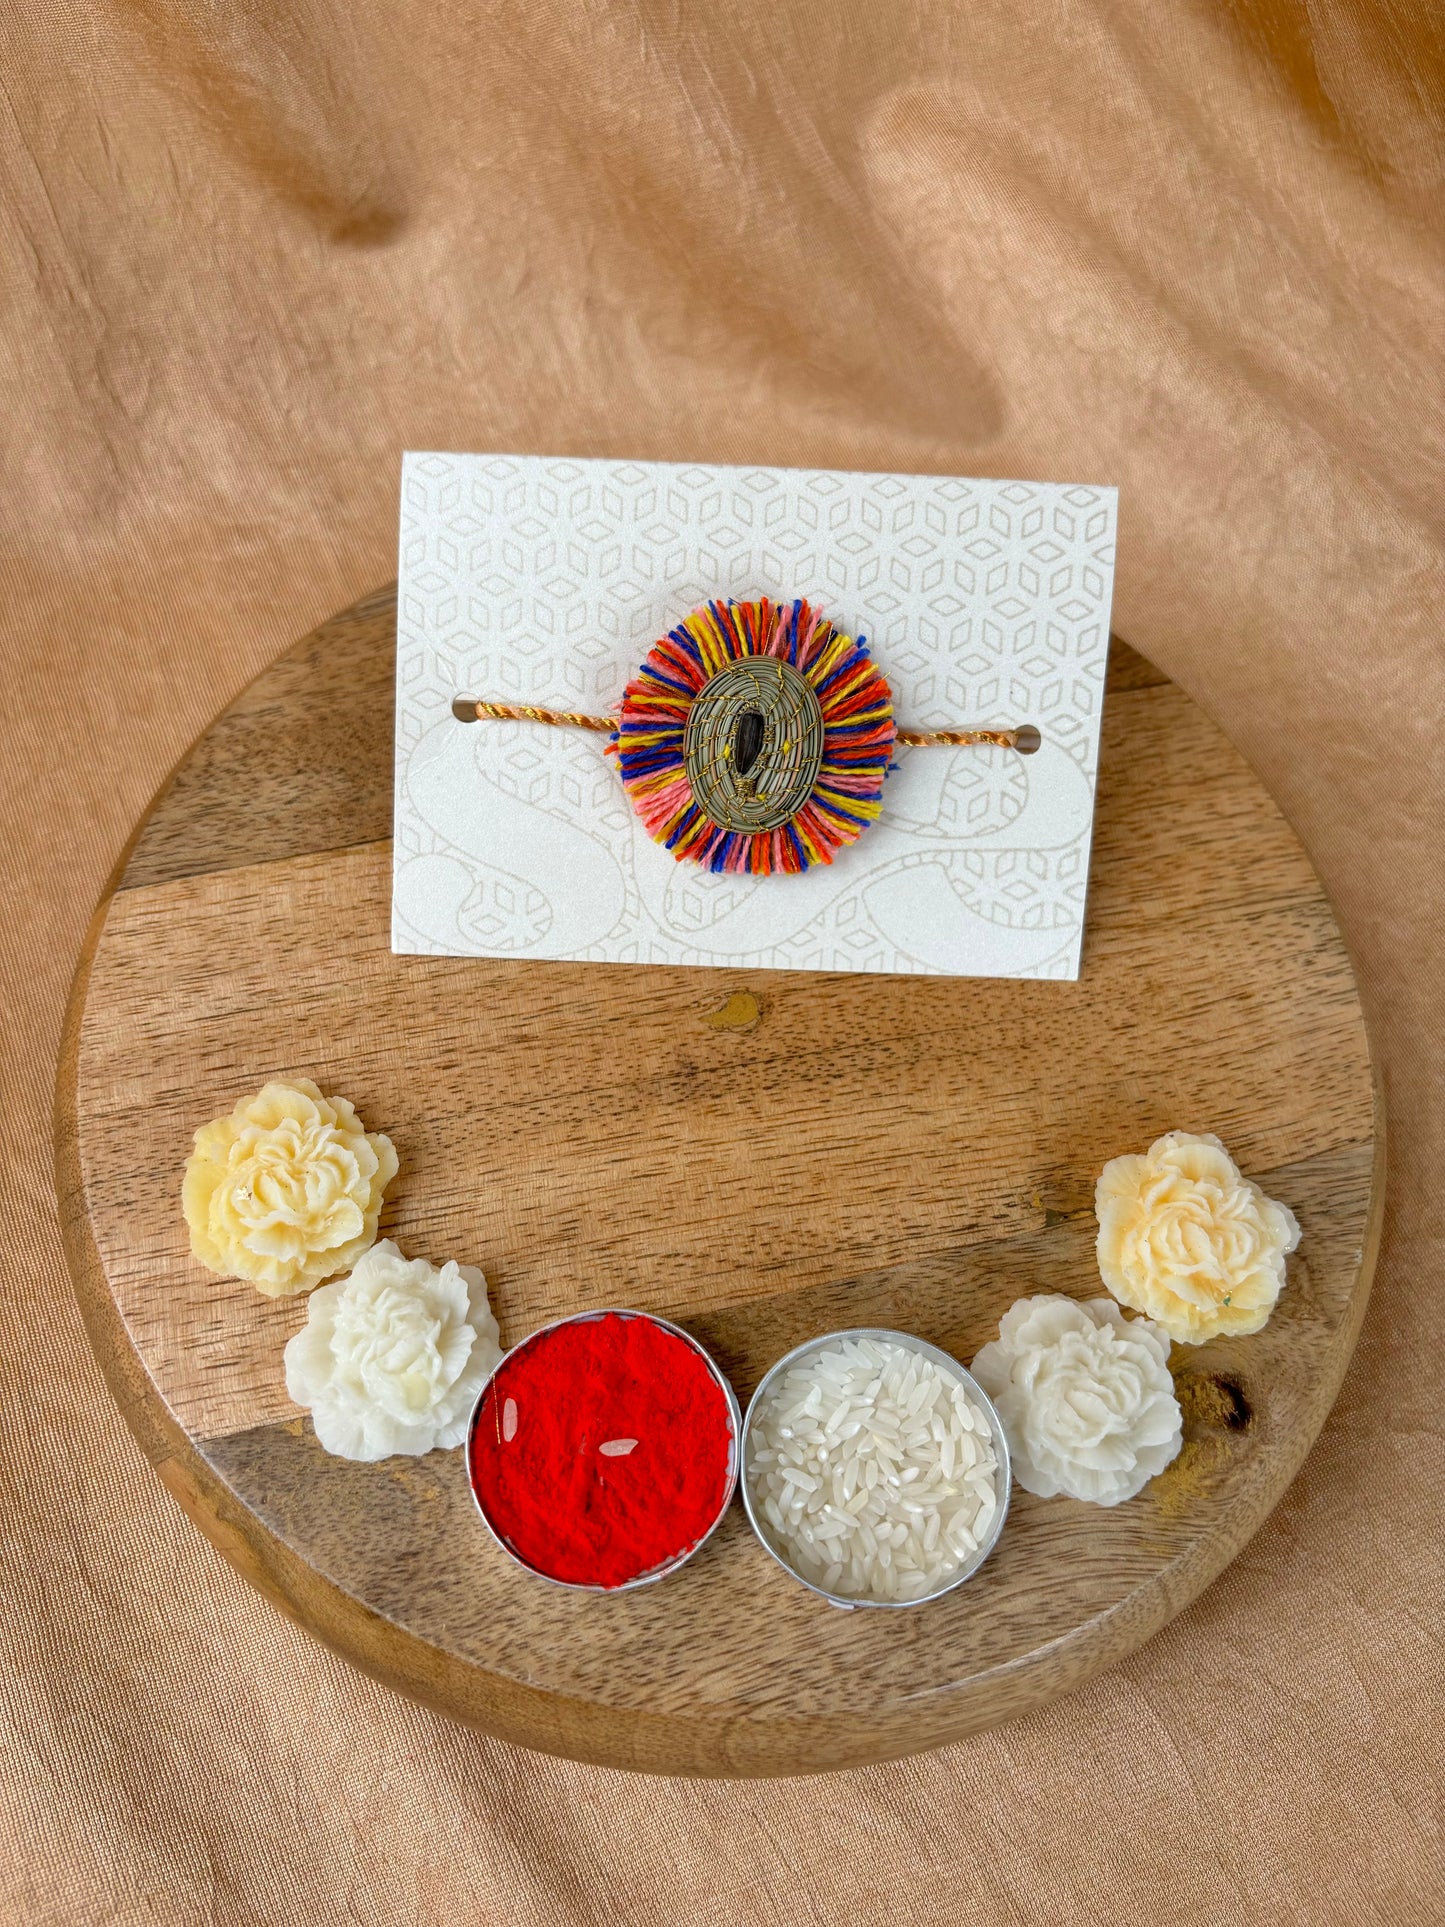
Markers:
point(974, 1390)
point(734, 1449)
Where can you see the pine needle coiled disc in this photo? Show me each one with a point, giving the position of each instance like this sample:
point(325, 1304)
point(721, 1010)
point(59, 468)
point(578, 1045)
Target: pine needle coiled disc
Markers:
point(753, 745)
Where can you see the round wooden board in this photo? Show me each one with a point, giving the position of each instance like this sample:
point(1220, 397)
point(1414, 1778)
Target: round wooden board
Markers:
point(761, 1156)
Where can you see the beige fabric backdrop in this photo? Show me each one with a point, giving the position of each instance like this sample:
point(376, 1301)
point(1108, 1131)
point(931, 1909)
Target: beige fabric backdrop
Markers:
point(250, 254)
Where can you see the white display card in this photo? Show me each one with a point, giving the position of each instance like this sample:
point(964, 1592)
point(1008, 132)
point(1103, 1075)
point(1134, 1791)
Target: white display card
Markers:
point(532, 579)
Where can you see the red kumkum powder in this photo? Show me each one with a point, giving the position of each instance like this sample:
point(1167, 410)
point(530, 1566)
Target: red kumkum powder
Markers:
point(601, 1450)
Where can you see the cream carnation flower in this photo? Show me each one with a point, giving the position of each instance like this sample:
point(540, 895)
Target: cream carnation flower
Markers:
point(391, 1359)
point(287, 1190)
point(1084, 1397)
point(1189, 1242)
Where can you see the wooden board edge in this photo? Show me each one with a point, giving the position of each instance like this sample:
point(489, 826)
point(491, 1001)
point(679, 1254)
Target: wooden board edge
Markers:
point(374, 602)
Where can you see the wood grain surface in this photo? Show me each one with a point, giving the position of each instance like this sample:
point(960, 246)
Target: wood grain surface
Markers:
point(759, 1155)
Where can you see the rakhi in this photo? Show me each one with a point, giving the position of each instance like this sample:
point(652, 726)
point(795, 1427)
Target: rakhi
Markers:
point(755, 737)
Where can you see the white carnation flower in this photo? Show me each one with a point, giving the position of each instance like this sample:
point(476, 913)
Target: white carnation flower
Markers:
point(391, 1358)
point(1084, 1396)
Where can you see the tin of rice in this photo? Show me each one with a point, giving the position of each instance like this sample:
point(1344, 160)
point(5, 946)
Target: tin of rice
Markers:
point(873, 1470)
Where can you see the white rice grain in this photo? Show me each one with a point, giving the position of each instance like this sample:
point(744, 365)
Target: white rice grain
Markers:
point(875, 1470)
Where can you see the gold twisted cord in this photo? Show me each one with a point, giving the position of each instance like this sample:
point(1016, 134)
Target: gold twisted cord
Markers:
point(523, 713)
point(918, 738)
point(925, 738)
